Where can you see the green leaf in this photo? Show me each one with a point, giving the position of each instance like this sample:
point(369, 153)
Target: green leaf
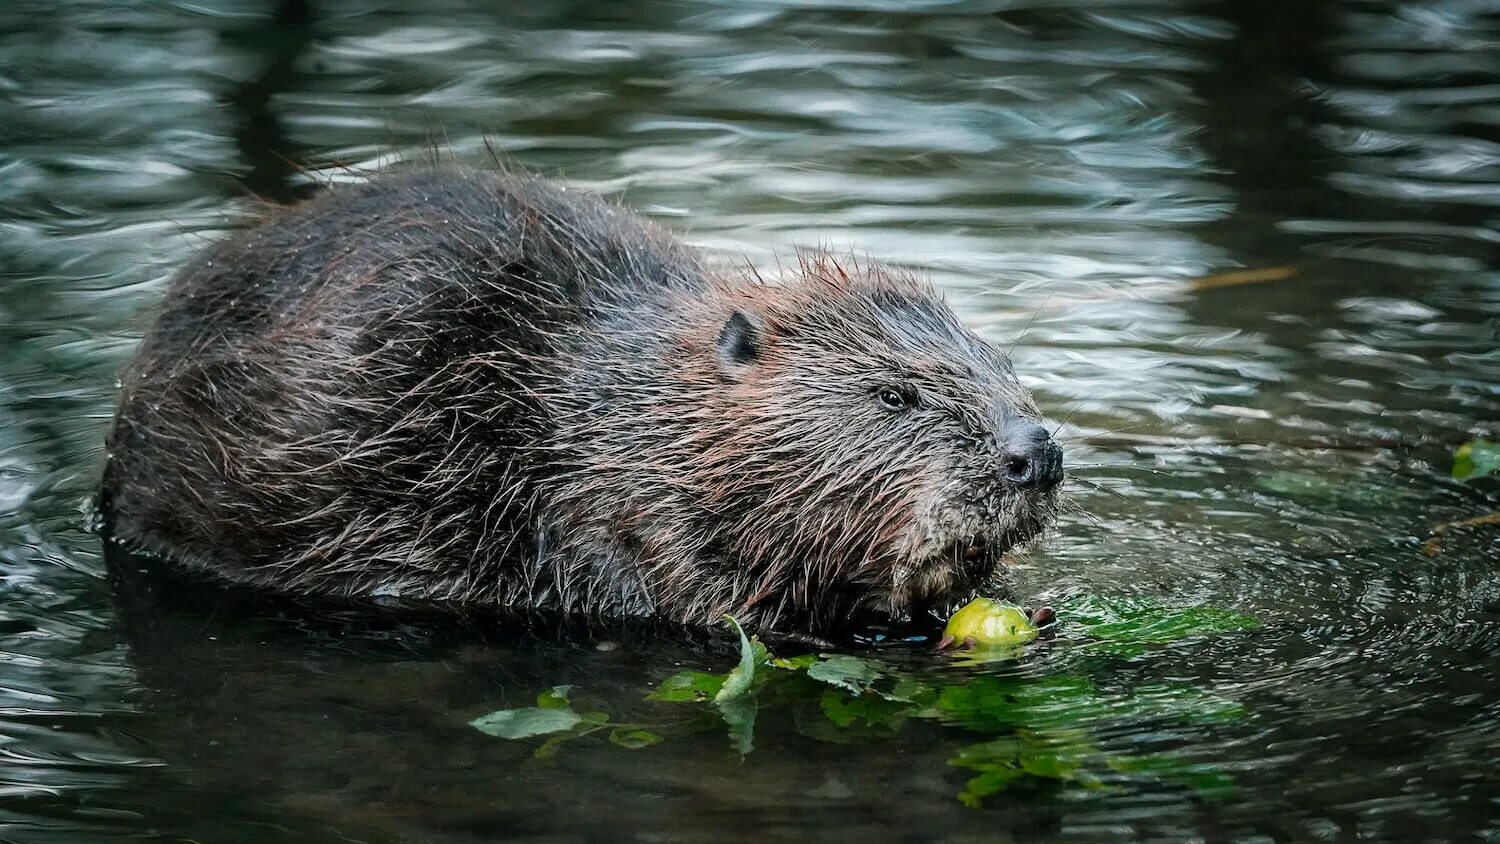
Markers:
point(688, 686)
point(987, 783)
point(874, 711)
point(991, 754)
point(742, 675)
point(991, 704)
point(739, 714)
point(795, 663)
point(847, 672)
point(760, 653)
point(837, 710)
point(632, 738)
point(1124, 625)
point(1204, 779)
point(1071, 705)
point(525, 723)
point(1476, 459)
point(910, 690)
point(554, 698)
point(999, 764)
point(1050, 765)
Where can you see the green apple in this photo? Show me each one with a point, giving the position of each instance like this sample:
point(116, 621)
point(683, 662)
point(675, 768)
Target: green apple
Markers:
point(990, 623)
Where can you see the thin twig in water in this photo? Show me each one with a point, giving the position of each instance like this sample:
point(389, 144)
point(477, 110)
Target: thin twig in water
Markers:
point(1434, 545)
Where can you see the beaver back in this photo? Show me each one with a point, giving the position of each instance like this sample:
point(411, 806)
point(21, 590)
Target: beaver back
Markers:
point(346, 398)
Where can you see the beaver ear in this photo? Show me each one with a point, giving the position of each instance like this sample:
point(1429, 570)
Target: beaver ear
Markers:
point(739, 343)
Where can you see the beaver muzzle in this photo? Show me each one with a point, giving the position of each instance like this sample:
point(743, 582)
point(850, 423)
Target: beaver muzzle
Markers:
point(1030, 458)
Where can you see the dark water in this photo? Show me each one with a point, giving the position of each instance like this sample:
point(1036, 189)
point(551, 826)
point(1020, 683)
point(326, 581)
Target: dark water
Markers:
point(1068, 171)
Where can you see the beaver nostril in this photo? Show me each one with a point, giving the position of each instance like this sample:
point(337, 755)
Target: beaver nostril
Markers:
point(1031, 459)
point(1018, 469)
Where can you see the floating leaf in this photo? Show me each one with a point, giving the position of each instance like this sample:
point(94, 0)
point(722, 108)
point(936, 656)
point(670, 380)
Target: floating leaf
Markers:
point(1123, 626)
point(990, 782)
point(1052, 766)
point(633, 738)
point(742, 675)
point(910, 690)
point(1206, 780)
point(524, 723)
point(1040, 729)
point(796, 663)
point(554, 698)
point(686, 686)
point(847, 672)
point(1476, 459)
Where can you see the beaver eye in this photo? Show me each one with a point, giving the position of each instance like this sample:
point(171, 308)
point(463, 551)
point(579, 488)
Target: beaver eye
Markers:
point(891, 398)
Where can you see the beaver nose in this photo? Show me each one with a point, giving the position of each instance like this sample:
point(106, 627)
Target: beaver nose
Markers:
point(1030, 459)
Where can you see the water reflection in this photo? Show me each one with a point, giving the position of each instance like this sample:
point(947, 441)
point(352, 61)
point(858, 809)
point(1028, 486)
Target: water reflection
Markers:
point(1066, 172)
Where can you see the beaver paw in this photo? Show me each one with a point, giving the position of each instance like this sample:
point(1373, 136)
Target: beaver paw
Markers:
point(1044, 619)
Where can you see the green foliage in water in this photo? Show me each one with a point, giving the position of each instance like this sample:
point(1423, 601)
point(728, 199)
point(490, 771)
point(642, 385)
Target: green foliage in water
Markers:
point(1476, 459)
point(554, 715)
point(1036, 731)
point(1130, 626)
point(738, 681)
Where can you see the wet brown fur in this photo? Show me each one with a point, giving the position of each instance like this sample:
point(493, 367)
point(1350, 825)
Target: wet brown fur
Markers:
point(479, 388)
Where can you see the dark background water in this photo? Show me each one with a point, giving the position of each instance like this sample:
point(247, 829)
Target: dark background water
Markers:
point(1068, 171)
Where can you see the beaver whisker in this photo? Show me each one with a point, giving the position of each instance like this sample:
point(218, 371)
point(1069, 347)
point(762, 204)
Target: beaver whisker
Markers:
point(1067, 502)
point(1098, 487)
point(1077, 406)
point(1127, 467)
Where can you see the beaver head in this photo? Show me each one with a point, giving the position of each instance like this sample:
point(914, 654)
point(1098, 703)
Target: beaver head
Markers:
point(814, 448)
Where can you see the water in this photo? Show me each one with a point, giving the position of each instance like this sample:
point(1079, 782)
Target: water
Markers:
point(1069, 172)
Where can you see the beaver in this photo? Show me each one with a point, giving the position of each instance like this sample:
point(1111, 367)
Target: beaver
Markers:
point(485, 389)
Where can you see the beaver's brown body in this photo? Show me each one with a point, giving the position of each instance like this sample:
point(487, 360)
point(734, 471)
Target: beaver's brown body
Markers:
point(484, 389)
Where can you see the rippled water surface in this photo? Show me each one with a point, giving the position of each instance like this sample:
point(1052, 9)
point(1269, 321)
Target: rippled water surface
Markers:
point(1247, 251)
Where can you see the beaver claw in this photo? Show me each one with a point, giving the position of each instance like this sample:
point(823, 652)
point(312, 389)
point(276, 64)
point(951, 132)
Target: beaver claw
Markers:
point(1044, 619)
